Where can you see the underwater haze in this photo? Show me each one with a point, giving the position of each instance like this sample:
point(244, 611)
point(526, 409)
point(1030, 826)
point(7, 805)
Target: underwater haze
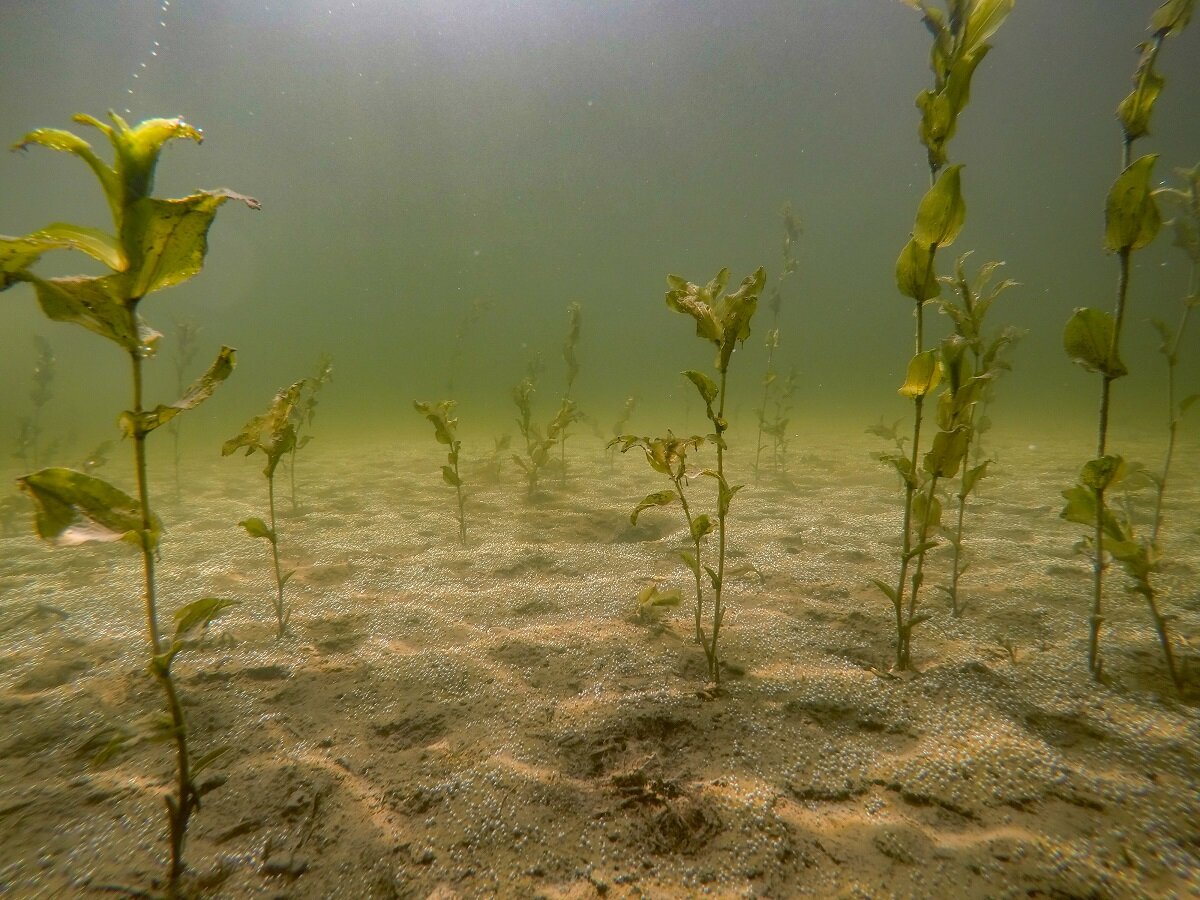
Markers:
point(415, 158)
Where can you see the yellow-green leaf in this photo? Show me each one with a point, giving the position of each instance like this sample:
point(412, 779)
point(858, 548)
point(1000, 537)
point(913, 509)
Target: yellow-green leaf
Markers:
point(915, 275)
point(1131, 217)
point(942, 211)
point(74, 508)
point(1089, 340)
point(924, 373)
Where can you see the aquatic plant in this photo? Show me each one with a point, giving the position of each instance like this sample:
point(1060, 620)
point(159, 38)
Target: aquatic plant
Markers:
point(444, 428)
point(304, 412)
point(771, 411)
point(960, 42)
point(620, 426)
point(652, 602)
point(155, 243)
point(724, 319)
point(1185, 223)
point(273, 433)
point(568, 412)
point(186, 332)
point(1092, 338)
point(537, 445)
point(973, 365)
point(29, 428)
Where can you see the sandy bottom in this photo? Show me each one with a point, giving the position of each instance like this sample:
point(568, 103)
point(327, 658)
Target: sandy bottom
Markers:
point(489, 721)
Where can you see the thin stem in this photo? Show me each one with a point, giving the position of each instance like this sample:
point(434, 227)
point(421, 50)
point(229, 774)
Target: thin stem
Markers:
point(280, 615)
point(1172, 354)
point(179, 809)
point(687, 512)
point(718, 608)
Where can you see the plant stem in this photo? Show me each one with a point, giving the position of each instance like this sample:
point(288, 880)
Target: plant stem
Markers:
point(179, 809)
point(687, 512)
point(719, 425)
point(462, 519)
point(1173, 415)
point(280, 615)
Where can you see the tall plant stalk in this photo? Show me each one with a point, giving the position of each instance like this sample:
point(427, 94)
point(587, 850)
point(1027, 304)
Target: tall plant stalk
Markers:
point(147, 251)
point(1092, 338)
point(770, 385)
point(960, 36)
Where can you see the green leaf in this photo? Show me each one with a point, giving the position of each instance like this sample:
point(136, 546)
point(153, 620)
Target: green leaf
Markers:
point(1102, 473)
point(173, 237)
point(927, 509)
point(1089, 340)
point(451, 477)
point(197, 615)
point(272, 432)
point(942, 211)
point(439, 416)
point(705, 385)
point(651, 596)
point(1134, 111)
point(1171, 17)
point(1131, 216)
point(100, 245)
point(201, 389)
point(200, 763)
point(701, 526)
point(924, 373)
point(971, 478)
point(658, 498)
point(73, 508)
point(915, 275)
point(1187, 401)
point(985, 17)
point(690, 561)
point(100, 304)
point(713, 578)
point(947, 452)
point(887, 589)
point(257, 528)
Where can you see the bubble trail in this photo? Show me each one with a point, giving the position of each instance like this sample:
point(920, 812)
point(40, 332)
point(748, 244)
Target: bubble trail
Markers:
point(143, 66)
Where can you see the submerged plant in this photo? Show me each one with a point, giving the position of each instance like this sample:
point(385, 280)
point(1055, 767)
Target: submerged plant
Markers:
point(1092, 339)
point(305, 411)
point(537, 445)
point(29, 428)
point(466, 325)
point(1185, 224)
point(620, 426)
point(776, 402)
point(273, 434)
point(186, 332)
point(724, 319)
point(155, 243)
point(568, 412)
point(444, 428)
point(975, 362)
point(960, 42)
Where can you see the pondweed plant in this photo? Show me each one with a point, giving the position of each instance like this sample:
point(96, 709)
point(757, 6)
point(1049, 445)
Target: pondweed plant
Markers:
point(537, 445)
point(304, 412)
point(621, 426)
point(1092, 339)
point(960, 35)
point(772, 420)
point(273, 434)
point(155, 243)
point(29, 428)
point(1184, 202)
point(568, 412)
point(976, 362)
point(466, 325)
point(186, 334)
point(444, 428)
point(724, 319)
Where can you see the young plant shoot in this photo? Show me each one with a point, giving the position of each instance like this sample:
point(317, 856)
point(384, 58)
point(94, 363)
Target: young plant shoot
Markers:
point(1092, 339)
point(154, 243)
point(723, 319)
point(444, 428)
point(568, 412)
point(959, 44)
point(186, 333)
point(975, 362)
point(772, 411)
point(537, 446)
point(305, 412)
point(273, 434)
